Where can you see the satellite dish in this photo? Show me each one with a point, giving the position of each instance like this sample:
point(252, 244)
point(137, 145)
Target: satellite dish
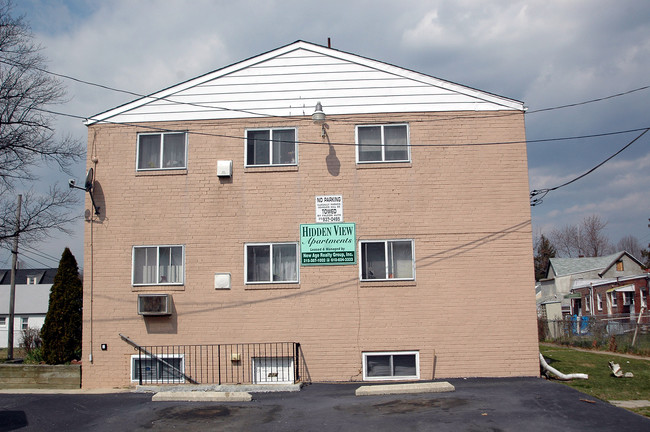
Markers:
point(88, 185)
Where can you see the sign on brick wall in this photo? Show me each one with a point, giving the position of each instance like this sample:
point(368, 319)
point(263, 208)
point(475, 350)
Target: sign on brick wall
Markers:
point(328, 244)
point(329, 208)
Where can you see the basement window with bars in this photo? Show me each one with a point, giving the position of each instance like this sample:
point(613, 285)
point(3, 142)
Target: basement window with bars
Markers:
point(160, 369)
point(396, 365)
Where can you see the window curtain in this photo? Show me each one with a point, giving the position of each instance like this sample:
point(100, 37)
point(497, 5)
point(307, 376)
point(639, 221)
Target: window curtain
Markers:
point(401, 260)
point(170, 269)
point(373, 256)
point(258, 147)
point(369, 143)
point(144, 265)
point(149, 151)
point(284, 146)
point(395, 140)
point(174, 150)
point(284, 263)
point(258, 264)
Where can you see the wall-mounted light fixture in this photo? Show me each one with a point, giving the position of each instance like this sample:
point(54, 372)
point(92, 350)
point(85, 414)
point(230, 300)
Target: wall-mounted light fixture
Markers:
point(319, 118)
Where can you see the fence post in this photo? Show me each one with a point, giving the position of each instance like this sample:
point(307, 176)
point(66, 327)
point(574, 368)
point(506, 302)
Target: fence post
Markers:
point(296, 373)
point(219, 363)
point(140, 365)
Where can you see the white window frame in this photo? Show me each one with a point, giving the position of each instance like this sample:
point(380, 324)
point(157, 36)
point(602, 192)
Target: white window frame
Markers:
point(160, 166)
point(383, 143)
point(271, 245)
point(3, 321)
point(599, 301)
point(271, 132)
point(613, 298)
point(31, 280)
point(24, 323)
point(644, 302)
point(386, 242)
point(587, 303)
point(365, 355)
point(182, 282)
point(626, 296)
point(135, 357)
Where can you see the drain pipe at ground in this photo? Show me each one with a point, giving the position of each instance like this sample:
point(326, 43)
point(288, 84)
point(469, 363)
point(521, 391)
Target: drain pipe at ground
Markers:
point(557, 373)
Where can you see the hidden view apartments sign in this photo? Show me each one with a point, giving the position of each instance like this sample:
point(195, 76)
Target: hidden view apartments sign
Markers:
point(328, 244)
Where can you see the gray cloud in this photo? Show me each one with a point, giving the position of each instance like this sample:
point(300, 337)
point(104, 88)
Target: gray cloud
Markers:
point(543, 52)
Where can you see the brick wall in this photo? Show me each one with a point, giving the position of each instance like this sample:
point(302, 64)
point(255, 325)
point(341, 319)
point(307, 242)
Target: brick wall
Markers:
point(470, 311)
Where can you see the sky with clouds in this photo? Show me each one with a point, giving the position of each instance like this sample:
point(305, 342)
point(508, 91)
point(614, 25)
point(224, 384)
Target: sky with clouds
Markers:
point(546, 53)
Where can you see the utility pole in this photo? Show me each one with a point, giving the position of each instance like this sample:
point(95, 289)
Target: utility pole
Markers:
point(12, 290)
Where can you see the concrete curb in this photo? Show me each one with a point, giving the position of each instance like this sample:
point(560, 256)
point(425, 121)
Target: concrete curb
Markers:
point(630, 403)
point(199, 396)
point(250, 388)
point(434, 387)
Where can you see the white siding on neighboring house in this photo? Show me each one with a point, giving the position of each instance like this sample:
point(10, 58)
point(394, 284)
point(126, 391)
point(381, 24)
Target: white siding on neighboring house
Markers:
point(31, 304)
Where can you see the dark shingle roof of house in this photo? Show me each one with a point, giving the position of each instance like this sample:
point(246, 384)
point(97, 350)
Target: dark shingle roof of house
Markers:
point(42, 275)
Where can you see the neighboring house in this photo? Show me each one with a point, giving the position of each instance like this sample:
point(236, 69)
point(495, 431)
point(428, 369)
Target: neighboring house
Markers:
point(563, 273)
point(621, 297)
point(239, 211)
point(32, 297)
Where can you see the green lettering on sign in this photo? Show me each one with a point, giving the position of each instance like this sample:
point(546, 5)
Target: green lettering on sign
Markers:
point(328, 244)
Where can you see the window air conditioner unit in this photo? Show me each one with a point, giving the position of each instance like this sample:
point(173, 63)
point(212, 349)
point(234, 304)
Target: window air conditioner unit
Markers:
point(154, 304)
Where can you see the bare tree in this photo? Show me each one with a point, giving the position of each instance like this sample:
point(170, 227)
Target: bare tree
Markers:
point(631, 245)
point(594, 241)
point(586, 239)
point(27, 137)
point(567, 241)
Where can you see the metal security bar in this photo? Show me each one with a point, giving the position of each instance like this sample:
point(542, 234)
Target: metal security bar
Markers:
point(244, 363)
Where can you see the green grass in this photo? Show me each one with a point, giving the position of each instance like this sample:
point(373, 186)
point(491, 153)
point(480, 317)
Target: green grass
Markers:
point(601, 383)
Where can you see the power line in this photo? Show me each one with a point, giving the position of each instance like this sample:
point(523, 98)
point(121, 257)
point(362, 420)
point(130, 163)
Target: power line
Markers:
point(210, 107)
point(541, 193)
point(26, 256)
point(41, 254)
point(194, 132)
point(589, 101)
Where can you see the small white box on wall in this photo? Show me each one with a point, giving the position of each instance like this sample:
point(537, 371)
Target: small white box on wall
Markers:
point(222, 281)
point(224, 168)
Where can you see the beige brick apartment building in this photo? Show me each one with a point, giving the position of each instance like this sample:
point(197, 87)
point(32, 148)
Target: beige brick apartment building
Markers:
point(389, 240)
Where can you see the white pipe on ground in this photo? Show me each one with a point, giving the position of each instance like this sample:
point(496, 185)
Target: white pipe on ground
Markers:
point(558, 374)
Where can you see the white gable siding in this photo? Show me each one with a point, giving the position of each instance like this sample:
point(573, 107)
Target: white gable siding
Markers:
point(290, 80)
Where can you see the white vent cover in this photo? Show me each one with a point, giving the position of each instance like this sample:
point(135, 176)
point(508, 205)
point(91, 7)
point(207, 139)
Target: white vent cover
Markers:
point(222, 281)
point(224, 168)
point(154, 304)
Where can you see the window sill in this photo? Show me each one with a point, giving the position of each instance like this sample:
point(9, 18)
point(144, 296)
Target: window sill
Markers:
point(371, 165)
point(271, 286)
point(162, 172)
point(387, 283)
point(271, 168)
point(157, 288)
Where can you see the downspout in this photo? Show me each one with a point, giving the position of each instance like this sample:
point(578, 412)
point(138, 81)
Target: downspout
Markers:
point(557, 373)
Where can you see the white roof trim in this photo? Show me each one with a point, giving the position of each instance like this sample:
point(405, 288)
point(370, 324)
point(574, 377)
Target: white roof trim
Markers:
point(505, 103)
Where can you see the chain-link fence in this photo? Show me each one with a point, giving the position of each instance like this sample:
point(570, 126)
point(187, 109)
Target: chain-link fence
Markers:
point(614, 333)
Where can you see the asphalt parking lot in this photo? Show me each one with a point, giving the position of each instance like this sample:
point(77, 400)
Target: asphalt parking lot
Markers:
point(516, 404)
